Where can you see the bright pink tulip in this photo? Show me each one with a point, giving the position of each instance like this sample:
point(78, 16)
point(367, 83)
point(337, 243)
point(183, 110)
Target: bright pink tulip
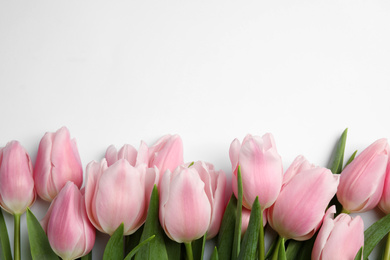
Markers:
point(118, 194)
point(261, 169)
point(361, 182)
point(303, 199)
point(70, 233)
point(166, 153)
point(17, 190)
point(185, 209)
point(58, 161)
point(215, 184)
point(339, 238)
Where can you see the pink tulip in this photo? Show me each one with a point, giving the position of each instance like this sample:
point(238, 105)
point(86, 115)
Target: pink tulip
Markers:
point(70, 233)
point(303, 199)
point(362, 181)
point(384, 203)
point(166, 153)
point(127, 152)
point(185, 209)
point(58, 161)
point(17, 190)
point(339, 238)
point(215, 184)
point(118, 194)
point(261, 169)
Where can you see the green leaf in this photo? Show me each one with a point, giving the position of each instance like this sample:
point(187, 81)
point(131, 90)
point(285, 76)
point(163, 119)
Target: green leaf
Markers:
point(214, 256)
point(351, 158)
point(374, 234)
point(251, 237)
point(359, 254)
point(87, 257)
point(138, 247)
point(5, 248)
point(336, 164)
point(282, 250)
point(114, 247)
point(133, 240)
point(39, 243)
point(237, 230)
point(173, 248)
point(226, 231)
point(293, 249)
point(306, 249)
point(198, 247)
point(155, 249)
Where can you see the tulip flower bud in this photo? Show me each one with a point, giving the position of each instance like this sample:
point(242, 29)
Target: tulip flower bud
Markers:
point(261, 169)
point(339, 238)
point(361, 182)
point(16, 181)
point(58, 162)
point(185, 209)
point(127, 152)
point(306, 192)
point(70, 233)
point(384, 203)
point(166, 153)
point(117, 194)
point(215, 184)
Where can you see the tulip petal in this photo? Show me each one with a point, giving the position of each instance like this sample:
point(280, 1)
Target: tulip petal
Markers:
point(129, 153)
point(111, 155)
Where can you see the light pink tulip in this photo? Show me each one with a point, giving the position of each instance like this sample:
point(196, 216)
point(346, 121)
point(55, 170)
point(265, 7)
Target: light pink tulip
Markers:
point(185, 209)
point(261, 169)
point(118, 194)
point(215, 185)
point(303, 199)
point(361, 182)
point(340, 238)
point(245, 217)
point(384, 203)
point(17, 190)
point(58, 161)
point(127, 152)
point(166, 153)
point(70, 233)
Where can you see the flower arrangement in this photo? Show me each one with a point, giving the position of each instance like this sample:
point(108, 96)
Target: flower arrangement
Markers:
point(153, 205)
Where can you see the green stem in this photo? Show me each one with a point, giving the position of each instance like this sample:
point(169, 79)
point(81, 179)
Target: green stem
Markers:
point(190, 255)
point(275, 255)
point(17, 237)
point(345, 211)
point(386, 256)
point(261, 238)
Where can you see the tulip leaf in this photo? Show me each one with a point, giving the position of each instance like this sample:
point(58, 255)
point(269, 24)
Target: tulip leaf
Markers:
point(237, 230)
point(87, 257)
point(198, 247)
point(336, 164)
point(226, 231)
point(251, 237)
point(351, 158)
point(359, 254)
point(374, 234)
point(214, 256)
point(133, 240)
point(293, 249)
point(173, 248)
point(39, 243)
point(155, 249)
point(5, 248)
point(114, 247)
point(138, 247)
point(282, 250)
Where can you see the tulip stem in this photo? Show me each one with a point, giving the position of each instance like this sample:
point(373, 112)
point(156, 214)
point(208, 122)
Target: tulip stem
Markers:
point(343, 210)
point(261, 238)
point(17, 237)
point(190, 255)
point(386, 256)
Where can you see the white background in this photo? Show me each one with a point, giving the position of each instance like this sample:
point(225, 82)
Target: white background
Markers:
point(210, 71)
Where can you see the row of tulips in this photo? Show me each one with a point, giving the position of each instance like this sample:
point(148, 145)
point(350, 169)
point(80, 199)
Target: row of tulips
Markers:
point(128, 188)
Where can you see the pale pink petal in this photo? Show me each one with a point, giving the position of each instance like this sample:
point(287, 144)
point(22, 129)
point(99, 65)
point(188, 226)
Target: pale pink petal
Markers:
point(129, 153)
point(111, 155)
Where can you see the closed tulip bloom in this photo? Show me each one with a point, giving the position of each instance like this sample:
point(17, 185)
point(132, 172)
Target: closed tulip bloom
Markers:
point(340, 238)
point(70, 233)
point(117, 194)
point(185, 209)
point(384, 203)
point(303, 199)
point(58, 161)
point(17, 190)
point(127, 152)
point(215, 185)
point(261, 169)
point(362, 181)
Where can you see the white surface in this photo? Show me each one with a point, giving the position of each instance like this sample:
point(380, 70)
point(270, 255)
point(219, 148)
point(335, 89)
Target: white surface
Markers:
point(123, 72)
